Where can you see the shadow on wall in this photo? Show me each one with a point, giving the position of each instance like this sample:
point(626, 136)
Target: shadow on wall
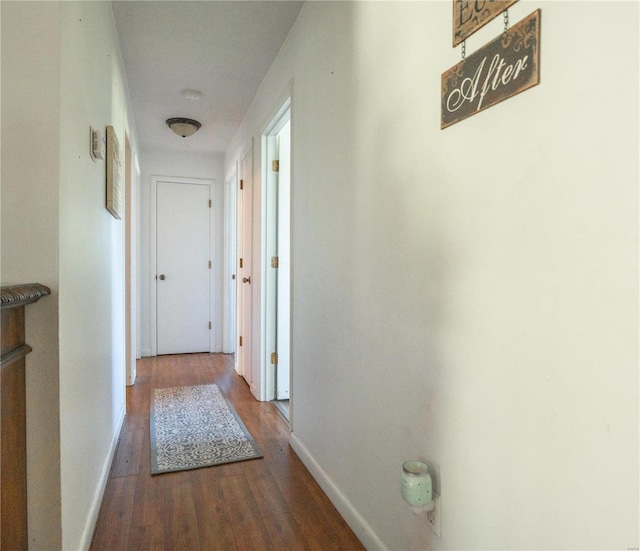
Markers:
point(368, 301)
point(400, 250)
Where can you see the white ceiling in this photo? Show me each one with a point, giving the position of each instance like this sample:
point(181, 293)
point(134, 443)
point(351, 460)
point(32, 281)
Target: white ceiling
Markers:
point(220, 48)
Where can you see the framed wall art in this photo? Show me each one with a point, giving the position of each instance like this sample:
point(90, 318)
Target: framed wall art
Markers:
point(115, 177)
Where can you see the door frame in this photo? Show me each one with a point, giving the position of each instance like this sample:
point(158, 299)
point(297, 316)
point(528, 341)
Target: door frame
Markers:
point(153, 287)
point(230, 263)
point(244, 363)
point(132, 296)
point(279, 114)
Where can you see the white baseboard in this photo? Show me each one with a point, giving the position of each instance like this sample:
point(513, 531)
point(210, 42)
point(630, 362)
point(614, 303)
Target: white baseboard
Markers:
point(94, 510)
point(349, 513)
point(146, 352)
point(256, 392)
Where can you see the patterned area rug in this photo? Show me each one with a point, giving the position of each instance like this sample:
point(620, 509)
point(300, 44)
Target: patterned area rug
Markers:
point(195, 426)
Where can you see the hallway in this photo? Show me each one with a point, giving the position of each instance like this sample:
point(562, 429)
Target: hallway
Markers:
point(269, 503)
point(451, 289)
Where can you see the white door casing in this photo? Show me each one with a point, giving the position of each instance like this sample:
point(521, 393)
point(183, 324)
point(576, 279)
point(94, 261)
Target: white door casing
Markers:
point(181, 248)
point(270, 274)
point(276, 232)
point(130, 267)
point(230, 263)
point(244, 268)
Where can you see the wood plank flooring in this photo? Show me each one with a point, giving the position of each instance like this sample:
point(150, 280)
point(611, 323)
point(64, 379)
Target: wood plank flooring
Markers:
point(263, 504)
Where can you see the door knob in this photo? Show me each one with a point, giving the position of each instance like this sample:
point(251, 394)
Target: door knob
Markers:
point(246, 279)
point(163, 277)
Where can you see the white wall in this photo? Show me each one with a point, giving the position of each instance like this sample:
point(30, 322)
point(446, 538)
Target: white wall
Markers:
point(62, 69)
point(92, 356)
point(181, 164)
point(468, 297)
point(29, 171)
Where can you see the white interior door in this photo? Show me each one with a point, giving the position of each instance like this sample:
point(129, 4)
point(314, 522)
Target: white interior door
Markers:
point(283, 308)
point(244, 269)
point(182, 267)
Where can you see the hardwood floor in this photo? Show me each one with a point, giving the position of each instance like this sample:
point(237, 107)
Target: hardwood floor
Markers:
point(270, 503)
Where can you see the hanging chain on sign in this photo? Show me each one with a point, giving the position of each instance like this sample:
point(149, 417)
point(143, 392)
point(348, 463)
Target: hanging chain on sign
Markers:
point(463, 44)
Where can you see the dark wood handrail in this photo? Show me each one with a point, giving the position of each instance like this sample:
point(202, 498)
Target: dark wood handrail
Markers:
point(19, 295)
point(13, 419)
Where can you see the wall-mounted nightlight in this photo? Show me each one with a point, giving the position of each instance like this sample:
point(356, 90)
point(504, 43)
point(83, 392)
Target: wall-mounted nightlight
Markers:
point(416, 488)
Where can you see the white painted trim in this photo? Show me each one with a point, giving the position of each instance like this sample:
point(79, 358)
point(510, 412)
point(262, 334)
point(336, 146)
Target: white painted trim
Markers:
point(272, 122)
point(268, 289)
point(243, 358)
point(153, 283)
point(229, 264)
point(94, 510)
point(352, 517)
point(277, 117)
point(153, 287)
point(131, 266)
point(138, 230)
point(236, 319)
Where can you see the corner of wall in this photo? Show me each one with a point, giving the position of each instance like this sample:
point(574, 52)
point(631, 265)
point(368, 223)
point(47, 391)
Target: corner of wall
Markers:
point(352, 517)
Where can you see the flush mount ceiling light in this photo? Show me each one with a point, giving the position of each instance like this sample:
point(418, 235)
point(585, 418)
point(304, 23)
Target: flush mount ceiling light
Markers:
point(183, 127)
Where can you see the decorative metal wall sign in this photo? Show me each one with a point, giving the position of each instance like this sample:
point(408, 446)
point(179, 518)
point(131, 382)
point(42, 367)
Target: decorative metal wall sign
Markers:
point(502, 68)
point(470, 15)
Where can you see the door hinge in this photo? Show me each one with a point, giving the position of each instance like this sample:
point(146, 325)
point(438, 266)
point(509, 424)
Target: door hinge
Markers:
point(209, 325)
point(241, 262)
point(233, 276)
point(241, 184)
point(240, 341)
point(209, 203)
point(274, 261)
point(274, 358)
point(209, 264)
point(275, 166)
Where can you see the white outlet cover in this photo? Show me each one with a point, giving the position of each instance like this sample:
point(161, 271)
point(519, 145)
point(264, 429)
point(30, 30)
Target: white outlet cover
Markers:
point(434, 517)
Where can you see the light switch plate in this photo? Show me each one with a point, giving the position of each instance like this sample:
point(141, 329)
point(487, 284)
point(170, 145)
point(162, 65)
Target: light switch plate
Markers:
point(97, 144)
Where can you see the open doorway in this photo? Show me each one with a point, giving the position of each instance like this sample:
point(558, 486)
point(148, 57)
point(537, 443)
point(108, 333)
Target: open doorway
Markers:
point(276, 260)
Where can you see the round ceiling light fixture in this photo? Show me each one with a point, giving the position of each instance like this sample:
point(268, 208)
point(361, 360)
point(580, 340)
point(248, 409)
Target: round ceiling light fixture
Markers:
point(183, 127)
